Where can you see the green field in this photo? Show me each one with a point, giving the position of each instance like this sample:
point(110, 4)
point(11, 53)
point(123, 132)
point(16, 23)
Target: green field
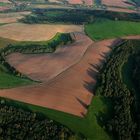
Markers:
point(105, 29)
point(8, 80)
point(4, 4)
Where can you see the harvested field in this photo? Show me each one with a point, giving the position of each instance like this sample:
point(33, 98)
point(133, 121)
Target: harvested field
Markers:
point(115, 3)
point(132, 37)
point(56, 1)
point(88, 2)
point(85, 2)
point(124, 10)
point(70, 91)
point(35, 32)
point(75, 1)
point(12, 17)
point(5, 1)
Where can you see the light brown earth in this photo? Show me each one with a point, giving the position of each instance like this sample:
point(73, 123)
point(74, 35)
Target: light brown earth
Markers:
point(75, 2)
point(84, 2)
point(132, 37)
point(124, 10)
point(35, 32)
point(5, 1)
point(12, 17)
point(71, 90)
point(116, 3)
point(56, 1)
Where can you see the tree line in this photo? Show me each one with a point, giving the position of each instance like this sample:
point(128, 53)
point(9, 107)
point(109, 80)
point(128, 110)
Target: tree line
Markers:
point(75, 16)
point(123, 123)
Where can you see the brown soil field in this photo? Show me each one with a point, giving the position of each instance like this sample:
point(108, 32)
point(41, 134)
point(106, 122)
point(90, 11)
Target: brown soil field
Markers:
point(86, 2)
point(12, 17)
point(89, 2)
point(75, 1)
point(44, 67)
point(5, 1)
point(121, 10)
point(3, 8)
point(35, 32)
point(116, 3)
point(71, 90)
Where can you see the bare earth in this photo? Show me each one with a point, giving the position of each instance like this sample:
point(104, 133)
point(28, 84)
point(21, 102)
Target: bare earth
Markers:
point(12, 17)
point(5, 1)
point(36, 32)
point(86, 2)
point(70, 91)
point(43, 67)
point(132, 37)
point(121, 10)
point(116, 3)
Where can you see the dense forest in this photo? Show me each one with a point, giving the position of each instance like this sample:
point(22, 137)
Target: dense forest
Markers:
point(137, 2)
point(123, 124)
point(18, 124)
point(136, 81)
point(136, 70)
point(75, 16)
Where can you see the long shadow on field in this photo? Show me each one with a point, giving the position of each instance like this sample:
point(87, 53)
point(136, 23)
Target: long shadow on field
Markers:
point(83, 104)
point(90, 85)
point(93, 72)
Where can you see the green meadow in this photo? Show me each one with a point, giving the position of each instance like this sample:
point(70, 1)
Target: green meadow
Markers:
point(106, 29)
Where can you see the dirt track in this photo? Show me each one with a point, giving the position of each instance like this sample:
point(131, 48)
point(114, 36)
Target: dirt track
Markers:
point(70, 91)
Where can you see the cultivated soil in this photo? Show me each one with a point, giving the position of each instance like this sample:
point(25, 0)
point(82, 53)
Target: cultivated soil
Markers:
point(124, 10)
point(44, 67)
point(115, 3)
point(70, 91)
point(85, 2)
point(5, 1)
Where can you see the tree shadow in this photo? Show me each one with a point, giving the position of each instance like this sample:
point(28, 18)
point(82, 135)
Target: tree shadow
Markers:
point(82, 103)
point(85, 105)
point(93, 72)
